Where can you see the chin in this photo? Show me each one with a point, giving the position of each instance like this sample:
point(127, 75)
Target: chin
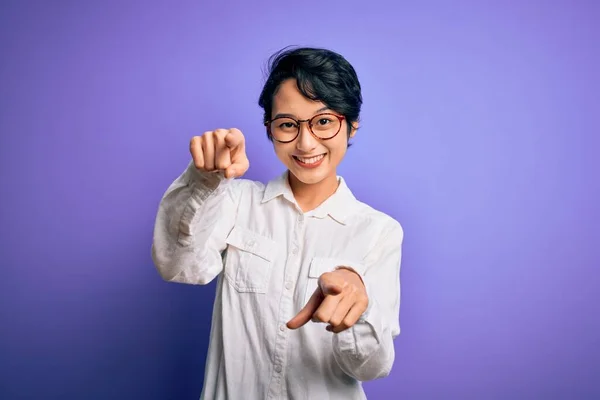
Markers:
point(310, 177)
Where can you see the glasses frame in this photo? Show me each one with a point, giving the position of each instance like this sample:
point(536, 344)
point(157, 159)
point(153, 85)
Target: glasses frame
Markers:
point(299, 122)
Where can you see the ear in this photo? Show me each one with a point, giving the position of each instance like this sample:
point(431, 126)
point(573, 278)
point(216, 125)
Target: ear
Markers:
point(354, 129)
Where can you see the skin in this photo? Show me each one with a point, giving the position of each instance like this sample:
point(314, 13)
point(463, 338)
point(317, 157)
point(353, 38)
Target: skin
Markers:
point(310, 186)
point(340, 298)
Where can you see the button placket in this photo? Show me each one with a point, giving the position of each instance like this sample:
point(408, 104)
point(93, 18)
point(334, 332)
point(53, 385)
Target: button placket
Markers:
point(286, 306)
point(297, 234)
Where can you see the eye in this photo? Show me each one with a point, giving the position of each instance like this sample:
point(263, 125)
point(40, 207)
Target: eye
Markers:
point(287, 125)
point(324, 121)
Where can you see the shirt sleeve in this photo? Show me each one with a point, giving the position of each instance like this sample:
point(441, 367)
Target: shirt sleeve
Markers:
point(366, 350)
point(195, 215)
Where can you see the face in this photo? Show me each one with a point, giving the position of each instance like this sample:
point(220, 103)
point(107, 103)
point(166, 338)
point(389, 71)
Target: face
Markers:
point(310, 160)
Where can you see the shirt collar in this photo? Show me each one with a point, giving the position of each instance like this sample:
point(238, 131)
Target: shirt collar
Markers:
point(338, 206)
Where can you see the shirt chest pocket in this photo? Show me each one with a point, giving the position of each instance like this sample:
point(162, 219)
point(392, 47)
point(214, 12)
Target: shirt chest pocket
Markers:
point(249, 260)
point(321, 265)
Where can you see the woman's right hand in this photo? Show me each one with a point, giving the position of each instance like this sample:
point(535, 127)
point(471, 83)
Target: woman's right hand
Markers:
point(221, 150)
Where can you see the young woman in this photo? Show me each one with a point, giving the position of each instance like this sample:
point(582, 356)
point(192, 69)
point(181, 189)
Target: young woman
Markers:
point(308, 293)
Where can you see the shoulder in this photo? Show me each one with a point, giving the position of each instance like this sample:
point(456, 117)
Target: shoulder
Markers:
point(266, 191)
point(364, 217)
point(247, 185)
point(370, 214)
point(380, 224)
point(253, 189)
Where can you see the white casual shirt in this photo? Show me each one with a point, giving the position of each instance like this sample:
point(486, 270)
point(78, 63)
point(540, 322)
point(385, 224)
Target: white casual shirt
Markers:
point(268, 256)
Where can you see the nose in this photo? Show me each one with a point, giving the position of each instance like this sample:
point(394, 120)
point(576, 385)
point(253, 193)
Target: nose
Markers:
point(306, 142)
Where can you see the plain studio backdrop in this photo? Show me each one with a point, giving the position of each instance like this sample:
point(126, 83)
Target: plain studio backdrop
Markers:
point(480, 132)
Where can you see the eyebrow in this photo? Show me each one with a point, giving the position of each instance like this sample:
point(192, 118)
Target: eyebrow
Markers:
point(280, 115)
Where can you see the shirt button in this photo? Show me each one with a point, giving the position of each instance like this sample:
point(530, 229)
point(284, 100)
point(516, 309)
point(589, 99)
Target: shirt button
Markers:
point(282, 328)
point(251, 243)
point(295, 251)
point(278, 368)
point(300, 218)
point(288, 285)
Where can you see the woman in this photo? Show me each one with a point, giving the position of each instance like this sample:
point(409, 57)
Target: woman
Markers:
point(308, 291)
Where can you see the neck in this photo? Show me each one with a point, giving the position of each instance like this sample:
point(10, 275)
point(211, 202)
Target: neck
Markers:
point(310, 196)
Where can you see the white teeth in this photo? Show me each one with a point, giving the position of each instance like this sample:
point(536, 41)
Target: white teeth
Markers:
point(311, 160)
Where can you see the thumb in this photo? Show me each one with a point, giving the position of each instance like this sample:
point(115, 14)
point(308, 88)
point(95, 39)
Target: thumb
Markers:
point(235, 141)
point(305, 315)
point(232, 172)
point(329, 287)
point(239, 166)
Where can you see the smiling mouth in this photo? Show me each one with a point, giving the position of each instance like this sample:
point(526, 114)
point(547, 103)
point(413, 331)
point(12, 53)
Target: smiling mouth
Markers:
point(309, 160)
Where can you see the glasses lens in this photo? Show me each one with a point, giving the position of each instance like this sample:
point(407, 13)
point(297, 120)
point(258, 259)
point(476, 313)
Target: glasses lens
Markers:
point(284, 129)
point(325, 126)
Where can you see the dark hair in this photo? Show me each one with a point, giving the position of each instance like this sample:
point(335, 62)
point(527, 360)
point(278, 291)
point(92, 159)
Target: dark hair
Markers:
point(321, 75)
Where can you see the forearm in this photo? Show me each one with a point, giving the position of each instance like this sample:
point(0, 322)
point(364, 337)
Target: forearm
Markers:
point(194, 216)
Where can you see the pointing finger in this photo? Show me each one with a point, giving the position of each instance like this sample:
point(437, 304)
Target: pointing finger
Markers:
point(329, 285)
point(305, 315)
point(234, 138)
point(222, 152)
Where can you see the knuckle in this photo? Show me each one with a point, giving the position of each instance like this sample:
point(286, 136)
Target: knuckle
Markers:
point(204, 140)
point(238, 133)
point(319, 316)
point(195, 144)
point(363, 300)
point(208, 137)
point(220, 133)
point(221, 164)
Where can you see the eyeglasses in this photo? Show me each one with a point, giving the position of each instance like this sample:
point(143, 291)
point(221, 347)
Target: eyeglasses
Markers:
point(323, 126)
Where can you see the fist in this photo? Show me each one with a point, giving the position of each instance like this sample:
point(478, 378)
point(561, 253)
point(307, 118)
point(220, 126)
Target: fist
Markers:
point(339, 300)
point(220, 150)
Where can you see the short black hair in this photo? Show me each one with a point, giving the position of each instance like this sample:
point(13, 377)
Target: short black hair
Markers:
point(321, 75)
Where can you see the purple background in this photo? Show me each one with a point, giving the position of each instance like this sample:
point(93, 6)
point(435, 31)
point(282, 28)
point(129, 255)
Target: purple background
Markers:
point(479, 133)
